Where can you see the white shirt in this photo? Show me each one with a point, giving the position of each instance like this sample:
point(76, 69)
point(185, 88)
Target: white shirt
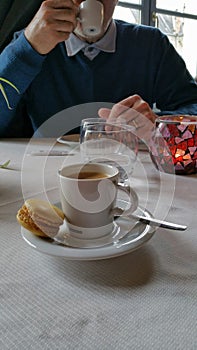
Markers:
point(107, 44)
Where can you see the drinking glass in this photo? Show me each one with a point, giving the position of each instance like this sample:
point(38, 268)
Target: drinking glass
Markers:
point(109, 142)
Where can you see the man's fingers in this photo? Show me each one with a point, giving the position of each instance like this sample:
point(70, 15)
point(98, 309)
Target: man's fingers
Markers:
point(59, 4)
point(104, 113)
point(133, 111)
point(121, 107)
point(130, 101)
point(64, 15)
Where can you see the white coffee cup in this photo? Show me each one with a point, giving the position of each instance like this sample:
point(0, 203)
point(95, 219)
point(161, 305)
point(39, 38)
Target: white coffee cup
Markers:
point(91, 17)
point(88, 194)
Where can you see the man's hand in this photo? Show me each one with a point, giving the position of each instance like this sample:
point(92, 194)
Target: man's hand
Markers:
point(132, 111)
point(52, 24)
point(125, 110)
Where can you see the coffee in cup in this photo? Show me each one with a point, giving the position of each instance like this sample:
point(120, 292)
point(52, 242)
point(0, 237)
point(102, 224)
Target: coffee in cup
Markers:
point(88, 175)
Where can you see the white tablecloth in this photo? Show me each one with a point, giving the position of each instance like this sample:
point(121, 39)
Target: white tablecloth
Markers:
point(146, 299)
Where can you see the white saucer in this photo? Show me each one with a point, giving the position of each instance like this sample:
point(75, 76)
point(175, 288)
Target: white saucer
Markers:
point(130, 236)
point(67, 239)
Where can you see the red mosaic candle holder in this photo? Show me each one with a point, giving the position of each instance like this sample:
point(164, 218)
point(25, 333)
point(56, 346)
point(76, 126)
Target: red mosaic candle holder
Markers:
point(173, 146)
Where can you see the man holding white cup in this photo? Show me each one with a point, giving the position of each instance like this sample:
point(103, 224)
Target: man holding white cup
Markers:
point(55, 66)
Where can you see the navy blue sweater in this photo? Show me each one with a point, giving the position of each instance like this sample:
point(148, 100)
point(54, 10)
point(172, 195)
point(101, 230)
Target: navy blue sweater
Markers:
point(144, 63)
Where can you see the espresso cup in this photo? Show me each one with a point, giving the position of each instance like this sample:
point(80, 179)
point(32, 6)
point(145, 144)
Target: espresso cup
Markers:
point(91, 17)
point(88, 194)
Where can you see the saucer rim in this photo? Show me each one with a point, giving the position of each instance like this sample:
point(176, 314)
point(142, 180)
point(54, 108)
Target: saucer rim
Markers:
point(49, 247)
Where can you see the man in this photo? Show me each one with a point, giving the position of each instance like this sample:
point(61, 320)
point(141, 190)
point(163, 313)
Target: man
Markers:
point(54, 66)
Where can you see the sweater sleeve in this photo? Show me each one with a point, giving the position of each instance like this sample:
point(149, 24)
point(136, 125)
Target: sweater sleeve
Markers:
point(19, 64)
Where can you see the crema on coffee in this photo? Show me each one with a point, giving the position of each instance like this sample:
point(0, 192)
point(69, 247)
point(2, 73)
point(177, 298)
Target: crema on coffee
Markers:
point(88, 175)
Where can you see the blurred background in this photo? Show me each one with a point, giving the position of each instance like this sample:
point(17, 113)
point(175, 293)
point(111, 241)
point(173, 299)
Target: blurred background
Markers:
point(176, 18)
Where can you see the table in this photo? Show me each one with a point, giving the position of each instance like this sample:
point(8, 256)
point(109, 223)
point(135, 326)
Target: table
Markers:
point(146, 299)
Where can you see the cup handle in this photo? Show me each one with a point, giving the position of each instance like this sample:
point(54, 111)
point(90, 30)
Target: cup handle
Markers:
point(117, 211)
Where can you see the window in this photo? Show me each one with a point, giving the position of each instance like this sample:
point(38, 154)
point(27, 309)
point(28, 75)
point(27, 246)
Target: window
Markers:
point(176, 18)
point(129, 11)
